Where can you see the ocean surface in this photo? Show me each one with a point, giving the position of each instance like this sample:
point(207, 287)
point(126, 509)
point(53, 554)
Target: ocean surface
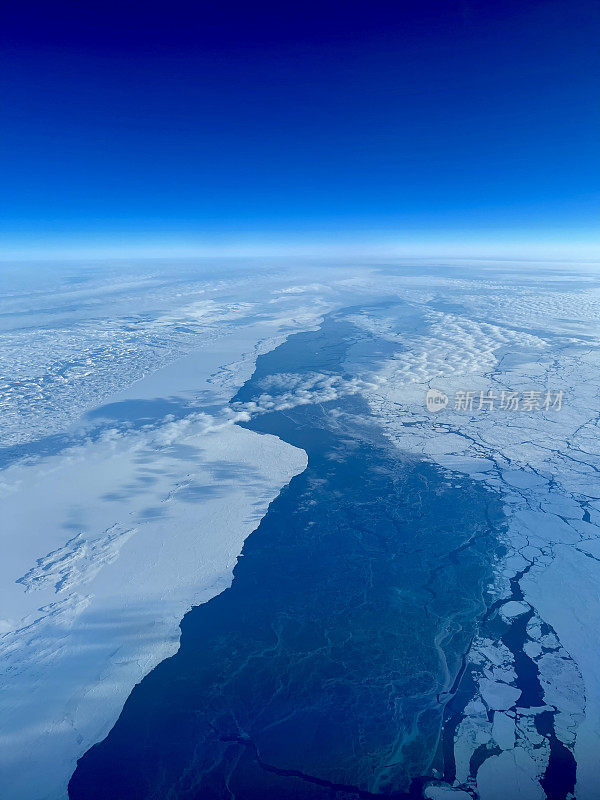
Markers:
point(326, 669)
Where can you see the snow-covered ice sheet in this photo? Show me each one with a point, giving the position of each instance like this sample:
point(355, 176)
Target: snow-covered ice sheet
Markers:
point(136, 531)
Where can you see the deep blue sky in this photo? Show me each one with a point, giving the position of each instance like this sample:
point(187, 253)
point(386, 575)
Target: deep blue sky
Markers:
point(178, 125)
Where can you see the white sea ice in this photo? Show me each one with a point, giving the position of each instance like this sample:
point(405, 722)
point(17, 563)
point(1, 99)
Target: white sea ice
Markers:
point(159, 528)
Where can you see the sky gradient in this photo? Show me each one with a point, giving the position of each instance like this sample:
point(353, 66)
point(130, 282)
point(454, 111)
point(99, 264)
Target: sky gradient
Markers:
point(149, 129)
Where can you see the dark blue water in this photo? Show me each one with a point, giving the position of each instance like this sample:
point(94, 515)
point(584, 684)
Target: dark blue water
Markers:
point(324, 670)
